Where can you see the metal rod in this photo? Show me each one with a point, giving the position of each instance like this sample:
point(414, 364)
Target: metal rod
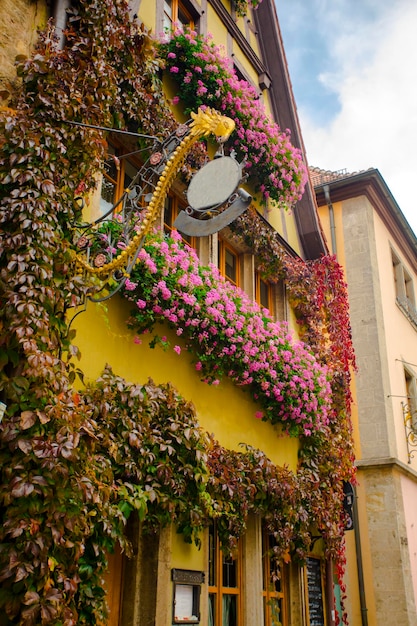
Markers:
point(111, 130)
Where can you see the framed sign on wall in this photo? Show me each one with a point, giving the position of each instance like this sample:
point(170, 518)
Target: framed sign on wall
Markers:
point(186, 596)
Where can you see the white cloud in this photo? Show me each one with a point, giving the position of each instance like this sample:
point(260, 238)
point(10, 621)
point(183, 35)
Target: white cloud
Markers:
point(371, 49)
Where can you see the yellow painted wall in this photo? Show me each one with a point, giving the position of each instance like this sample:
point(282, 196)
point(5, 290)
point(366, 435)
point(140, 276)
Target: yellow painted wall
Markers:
point(324, 216)
point(187, 555)
point(216, 28)
point(225, 410)
point(147, 15)
point(250, 70)
point(283, 221)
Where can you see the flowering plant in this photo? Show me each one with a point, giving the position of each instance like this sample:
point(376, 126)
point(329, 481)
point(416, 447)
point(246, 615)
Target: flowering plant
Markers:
point(242, 6)
point(228, 334)
point(74, 464)
point(205, 77)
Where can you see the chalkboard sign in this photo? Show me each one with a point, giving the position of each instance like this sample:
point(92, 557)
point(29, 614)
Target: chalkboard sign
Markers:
point(315, 592)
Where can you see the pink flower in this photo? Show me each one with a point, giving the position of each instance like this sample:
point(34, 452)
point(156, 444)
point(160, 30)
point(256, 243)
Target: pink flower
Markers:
point(174, 69)
point(130, 286)
point(249, 345)
point(137, 340)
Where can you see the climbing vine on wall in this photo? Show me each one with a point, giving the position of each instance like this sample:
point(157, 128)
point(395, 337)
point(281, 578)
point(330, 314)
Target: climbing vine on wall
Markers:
point(75, 462)
point(52, 516)
point(243, 5)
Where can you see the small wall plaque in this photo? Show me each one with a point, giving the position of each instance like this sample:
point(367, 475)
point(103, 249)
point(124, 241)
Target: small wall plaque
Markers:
point(186, 597)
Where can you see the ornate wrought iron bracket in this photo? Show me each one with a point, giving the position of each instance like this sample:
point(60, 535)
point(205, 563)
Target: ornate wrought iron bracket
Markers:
point(105, 239)
point(410, 427)
point(108, 248)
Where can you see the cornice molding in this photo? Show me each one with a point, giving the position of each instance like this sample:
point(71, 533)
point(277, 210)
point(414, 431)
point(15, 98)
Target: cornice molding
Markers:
point(388, 463)
point(372, 186)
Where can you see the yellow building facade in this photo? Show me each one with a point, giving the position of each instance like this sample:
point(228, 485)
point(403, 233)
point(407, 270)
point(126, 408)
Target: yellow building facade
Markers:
point(166, 580)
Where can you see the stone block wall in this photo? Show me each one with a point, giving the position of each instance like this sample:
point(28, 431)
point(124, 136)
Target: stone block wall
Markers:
point(20, 21)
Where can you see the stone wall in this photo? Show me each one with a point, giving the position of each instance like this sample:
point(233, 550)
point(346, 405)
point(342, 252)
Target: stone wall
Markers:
point(392, 579)
point(19, 24)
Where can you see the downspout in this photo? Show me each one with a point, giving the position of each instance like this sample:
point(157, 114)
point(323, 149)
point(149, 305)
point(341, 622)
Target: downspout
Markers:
point(60, 17)
point(331, 612)
point(331, 217)
point(361, 583)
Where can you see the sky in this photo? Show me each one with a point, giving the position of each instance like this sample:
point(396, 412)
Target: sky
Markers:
point(353, 68)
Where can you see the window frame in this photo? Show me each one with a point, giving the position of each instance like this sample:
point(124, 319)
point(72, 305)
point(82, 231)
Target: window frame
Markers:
point(177, 6)
point(215, 575)
point(404, 288)
point(270, 594)
point(122, 160)
point(258, 294)
point(175, 206)
point(223, 248)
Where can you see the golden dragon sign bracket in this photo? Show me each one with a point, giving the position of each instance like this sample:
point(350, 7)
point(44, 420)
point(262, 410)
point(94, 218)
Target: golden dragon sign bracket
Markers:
point(107, 249)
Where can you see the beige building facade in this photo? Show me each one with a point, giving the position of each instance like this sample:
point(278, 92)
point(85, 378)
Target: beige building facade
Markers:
point(378, 250)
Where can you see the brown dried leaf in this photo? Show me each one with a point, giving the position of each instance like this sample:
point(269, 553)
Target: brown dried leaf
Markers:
point(27, 419)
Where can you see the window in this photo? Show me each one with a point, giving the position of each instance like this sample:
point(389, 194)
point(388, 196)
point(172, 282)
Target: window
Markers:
point(411, 391)
point(274, 591)
point(224, 584)
point(118, 174)
point(404, 289)
point(171, 210)
point(263, 292)
point(176, 13)
point(229, 263)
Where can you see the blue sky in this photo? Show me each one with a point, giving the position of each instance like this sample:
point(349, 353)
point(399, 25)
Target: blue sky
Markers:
point(353, 66)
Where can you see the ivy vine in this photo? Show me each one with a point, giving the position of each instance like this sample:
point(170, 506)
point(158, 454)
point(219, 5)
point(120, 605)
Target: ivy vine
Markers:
point(75, 464)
